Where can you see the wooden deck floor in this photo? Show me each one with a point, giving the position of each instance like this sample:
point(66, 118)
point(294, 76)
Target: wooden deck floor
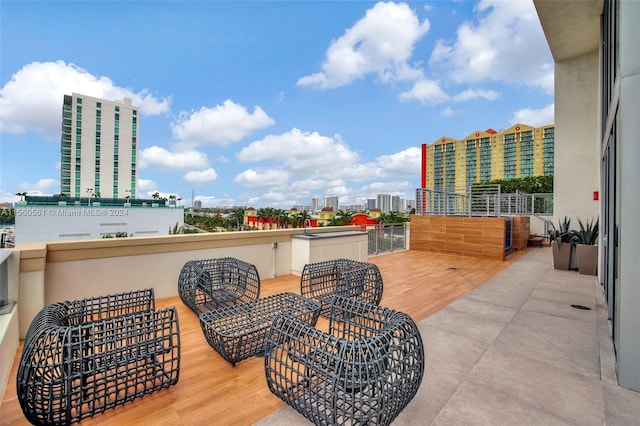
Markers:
point(211, 391)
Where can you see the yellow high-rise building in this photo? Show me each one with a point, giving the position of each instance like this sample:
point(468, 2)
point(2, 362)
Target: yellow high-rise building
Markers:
point(519, 151)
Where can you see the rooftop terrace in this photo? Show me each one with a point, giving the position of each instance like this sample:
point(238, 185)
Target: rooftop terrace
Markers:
point(503, 346)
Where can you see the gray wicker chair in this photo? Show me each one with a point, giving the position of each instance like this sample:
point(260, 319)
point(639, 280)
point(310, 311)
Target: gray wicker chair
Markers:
point(364, 371)
point(213, 283)
point(86, 356)
point(240, 331)
point(321, 281)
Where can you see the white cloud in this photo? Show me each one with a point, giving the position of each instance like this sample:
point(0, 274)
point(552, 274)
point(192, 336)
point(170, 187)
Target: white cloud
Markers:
point(425, 91)
point(312, 184)
point(545, 79)
point(9, 197)
point(199, 177)
point(393, 188)
point(381, 43)
point(534, 117)
point(447, 112)
point(270, 198)
point(298, 162)
point(252, 178)
point(429, 91)
point(505, 43)
point(146, 185)
point(471, 94)
point(403, 163)
point(46, 186)
point(339, 191)
point(32, 99)
point(301, 151)
point(159, 158)
point(213, 201)
point(219, 125)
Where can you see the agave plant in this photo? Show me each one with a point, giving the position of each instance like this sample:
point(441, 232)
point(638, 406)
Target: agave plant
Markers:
point(562, 234)
point(588, 233)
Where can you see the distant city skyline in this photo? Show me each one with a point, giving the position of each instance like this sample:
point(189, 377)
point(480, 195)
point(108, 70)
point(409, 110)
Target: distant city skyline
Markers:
point(269, 103)
point(385, 202)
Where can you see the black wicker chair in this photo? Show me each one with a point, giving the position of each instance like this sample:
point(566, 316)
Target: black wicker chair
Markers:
point(322, 281)
point(364, 371)
point(86, 356)
point(213, 283)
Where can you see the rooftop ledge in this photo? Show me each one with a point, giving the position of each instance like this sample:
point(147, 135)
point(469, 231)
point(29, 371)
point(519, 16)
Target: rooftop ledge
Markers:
point(329, 235)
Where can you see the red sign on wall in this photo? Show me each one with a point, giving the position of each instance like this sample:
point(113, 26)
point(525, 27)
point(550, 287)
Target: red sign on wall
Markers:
point(596, 195)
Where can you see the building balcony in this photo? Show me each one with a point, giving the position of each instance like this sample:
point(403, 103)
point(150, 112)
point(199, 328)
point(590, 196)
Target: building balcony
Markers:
point(503, 343)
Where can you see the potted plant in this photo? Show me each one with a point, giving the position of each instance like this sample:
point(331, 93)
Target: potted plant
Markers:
point(586, 240)
point(560, 239)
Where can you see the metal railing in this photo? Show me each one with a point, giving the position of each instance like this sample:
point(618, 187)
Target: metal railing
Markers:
point(385, 238)
point(440, 202)
point(482, 200)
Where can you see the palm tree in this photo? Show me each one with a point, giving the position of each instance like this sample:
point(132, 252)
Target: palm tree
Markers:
point(391, 217)
point(269, 215)
point(156, 196)
point(283, 218)
point(238, 216)
point(303, 216)
point(21, 195)
point(294, 220)
point(343, 218)
point(274, 217)
point(263, 214)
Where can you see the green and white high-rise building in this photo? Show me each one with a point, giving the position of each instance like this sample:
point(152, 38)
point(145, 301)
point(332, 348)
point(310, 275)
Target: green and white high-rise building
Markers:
point(99, 147)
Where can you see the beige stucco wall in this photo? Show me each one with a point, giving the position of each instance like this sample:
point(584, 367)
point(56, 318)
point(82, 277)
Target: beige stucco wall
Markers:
point(93, 277)
point(305, 250)
point(577, 148)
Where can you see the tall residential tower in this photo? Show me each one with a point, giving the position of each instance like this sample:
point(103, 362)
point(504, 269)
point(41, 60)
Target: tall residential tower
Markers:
point(99, 147)
point(520, 151)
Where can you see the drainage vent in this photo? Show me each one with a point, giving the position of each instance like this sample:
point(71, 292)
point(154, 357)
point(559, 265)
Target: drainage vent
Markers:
point(452, 268)
point(582, 308)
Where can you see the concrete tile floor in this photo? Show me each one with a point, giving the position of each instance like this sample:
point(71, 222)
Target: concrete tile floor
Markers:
point(514, 352)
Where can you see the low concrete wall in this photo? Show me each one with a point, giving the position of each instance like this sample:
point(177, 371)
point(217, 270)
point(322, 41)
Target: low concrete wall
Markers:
point(465, 236)
point(318, 248)
point(64, 270)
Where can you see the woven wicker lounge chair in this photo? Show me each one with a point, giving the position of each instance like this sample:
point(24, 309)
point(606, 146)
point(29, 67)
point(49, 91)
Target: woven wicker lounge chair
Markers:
point(364, 371)
point(213, 283)
point(240, 331)
point(86, 356)
point(322, 281)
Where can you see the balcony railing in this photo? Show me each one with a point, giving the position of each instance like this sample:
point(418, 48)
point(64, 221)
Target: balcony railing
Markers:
point(385, 238)
point(482, 200)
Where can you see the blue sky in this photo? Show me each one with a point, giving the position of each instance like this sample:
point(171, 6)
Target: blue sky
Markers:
point(267, 104)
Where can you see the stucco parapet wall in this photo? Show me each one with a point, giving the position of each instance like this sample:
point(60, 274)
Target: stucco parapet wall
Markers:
point(34, 256)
